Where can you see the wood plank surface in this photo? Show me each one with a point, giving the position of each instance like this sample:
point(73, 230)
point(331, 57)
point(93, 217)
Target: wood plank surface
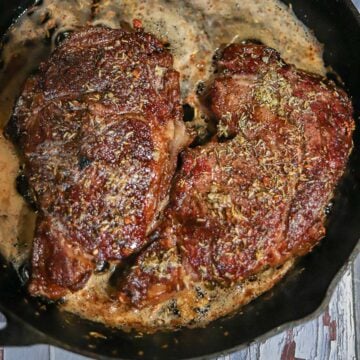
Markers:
point(334, 335)
point(356, 301)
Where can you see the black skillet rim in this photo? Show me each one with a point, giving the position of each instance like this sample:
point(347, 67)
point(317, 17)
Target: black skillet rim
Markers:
point(36, 336)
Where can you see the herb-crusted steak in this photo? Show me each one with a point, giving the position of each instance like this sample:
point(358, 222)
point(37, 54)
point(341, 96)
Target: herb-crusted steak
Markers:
point(100, 127)
point(254, 197)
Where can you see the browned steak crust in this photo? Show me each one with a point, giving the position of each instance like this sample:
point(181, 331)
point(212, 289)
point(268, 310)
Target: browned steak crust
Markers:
point(255, 196)
point(100, 127)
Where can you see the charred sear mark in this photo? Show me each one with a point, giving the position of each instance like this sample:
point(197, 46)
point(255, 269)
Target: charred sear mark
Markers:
point(84, 162)
point(24, 189)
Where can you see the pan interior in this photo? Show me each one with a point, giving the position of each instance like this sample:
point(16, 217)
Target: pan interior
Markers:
point(299, 294)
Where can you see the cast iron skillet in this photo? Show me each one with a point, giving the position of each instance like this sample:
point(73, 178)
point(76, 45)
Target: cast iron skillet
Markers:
point(305, 291)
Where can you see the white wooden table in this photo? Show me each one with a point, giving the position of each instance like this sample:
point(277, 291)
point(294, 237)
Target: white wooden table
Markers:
point(334, 335)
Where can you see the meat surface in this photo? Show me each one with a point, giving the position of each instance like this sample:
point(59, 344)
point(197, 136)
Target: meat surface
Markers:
point(255, 196)
point(100, 127)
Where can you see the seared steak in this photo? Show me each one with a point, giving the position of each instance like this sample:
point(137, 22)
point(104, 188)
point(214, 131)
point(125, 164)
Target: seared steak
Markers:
point(100, 128)
point(254, 197)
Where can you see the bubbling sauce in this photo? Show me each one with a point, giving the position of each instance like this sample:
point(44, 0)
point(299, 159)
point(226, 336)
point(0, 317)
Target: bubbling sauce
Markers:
point(192, 30)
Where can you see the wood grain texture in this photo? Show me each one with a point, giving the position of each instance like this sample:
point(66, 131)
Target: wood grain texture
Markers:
point(38, 352)
point(356, 299)
point(59, 354)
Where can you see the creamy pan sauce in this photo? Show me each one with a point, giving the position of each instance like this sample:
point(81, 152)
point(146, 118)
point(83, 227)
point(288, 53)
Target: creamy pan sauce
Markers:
point(193, 30)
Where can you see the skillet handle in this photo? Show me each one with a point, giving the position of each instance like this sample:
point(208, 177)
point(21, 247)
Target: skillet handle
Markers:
point(17, 333)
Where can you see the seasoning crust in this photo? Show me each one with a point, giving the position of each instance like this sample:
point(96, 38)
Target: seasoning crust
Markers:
point(255, 196)
point(100, 127)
